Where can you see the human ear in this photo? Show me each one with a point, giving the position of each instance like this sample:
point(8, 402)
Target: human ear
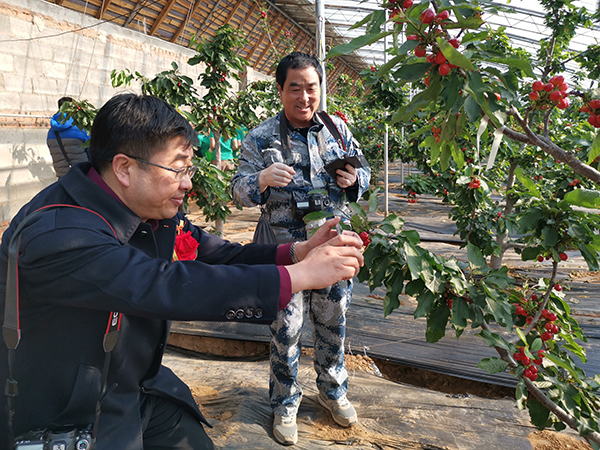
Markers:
point(122, 167)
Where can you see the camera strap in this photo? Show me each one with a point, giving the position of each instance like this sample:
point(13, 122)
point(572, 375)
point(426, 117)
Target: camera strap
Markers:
point(11, 330)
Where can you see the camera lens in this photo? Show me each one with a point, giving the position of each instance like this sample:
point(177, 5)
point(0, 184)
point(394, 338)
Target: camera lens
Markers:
point(83, 444)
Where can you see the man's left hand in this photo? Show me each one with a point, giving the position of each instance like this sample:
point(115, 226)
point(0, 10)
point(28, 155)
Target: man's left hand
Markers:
point(346, 178)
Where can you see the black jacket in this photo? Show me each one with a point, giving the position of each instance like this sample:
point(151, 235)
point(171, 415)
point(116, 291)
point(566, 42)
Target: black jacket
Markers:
point(73, 272)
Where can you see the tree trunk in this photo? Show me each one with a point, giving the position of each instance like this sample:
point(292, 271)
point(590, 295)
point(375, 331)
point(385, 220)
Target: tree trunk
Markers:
point(496, 261)
point(219, 224)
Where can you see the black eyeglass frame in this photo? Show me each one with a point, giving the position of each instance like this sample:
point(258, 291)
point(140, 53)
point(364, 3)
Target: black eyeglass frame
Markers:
point(190, 171)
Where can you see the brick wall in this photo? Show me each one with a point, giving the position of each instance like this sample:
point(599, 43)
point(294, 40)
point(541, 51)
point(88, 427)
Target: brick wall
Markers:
point(47, 52)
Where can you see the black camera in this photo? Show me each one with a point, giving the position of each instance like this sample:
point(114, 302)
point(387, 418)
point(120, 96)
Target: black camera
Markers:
point(61, 439)
point(314, 202)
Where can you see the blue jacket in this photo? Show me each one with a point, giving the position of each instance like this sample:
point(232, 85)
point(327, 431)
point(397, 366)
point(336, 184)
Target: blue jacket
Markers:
point(72, 138)
point(75, 268)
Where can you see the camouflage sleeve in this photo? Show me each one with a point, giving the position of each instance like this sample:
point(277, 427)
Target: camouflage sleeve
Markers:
point(245, 189)
point(353, 149)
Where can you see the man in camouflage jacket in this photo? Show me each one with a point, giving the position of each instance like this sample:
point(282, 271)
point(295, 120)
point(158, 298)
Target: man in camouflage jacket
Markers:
point(280, 162)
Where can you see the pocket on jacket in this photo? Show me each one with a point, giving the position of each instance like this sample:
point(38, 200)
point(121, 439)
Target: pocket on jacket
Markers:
point(85, 393)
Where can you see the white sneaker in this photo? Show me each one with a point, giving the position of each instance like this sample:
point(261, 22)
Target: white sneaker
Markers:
point(285, 429)
point(341, 410)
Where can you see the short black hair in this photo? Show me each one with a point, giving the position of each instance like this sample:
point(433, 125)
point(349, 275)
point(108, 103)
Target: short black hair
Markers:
point(64, 100)
point(296, 60)
point(137, 125)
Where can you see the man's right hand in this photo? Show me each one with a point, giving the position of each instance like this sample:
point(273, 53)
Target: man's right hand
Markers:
point(338, 259)
point(277, 175)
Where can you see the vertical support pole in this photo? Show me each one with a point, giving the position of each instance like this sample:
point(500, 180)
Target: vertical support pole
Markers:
point(320, 50)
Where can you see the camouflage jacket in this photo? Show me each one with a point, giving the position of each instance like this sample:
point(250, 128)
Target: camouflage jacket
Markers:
point(262, 147)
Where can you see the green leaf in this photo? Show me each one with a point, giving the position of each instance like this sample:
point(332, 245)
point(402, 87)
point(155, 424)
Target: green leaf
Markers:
point(425, 304)
point(594, 149)
point(538, 413)
point(413, 72)
point(585, 198)
point(473, 109)
point(564, 364)
point(499, 277)
point(527, 182)
point(454, 56)
point(436, 324)
point(460, 313)
point(590, 256)
point(413, 259)
point(356, 43)
point(476, 258)
point(536, 345)
point(492, 365)
point(414, 288)
point(550, 236)
point(494, 340)
point(521, 395)
point(516, 63)
point(529, 220)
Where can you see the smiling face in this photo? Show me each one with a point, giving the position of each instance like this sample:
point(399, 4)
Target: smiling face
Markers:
point(300, 95)
point(153, 192)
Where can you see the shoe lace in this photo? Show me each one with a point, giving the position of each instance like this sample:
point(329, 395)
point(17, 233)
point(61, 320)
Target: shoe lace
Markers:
point(287, 420)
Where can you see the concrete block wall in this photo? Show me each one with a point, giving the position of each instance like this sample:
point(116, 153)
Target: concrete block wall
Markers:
point(47, 52)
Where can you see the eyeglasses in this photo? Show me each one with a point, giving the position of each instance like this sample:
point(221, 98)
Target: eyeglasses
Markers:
point(190, 171)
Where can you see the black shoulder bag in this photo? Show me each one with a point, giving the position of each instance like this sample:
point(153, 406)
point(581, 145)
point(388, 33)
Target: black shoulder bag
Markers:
point(69, 436)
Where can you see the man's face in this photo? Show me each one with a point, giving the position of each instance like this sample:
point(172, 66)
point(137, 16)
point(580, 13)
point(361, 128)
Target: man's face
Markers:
point(300, 95)
point(154, 192)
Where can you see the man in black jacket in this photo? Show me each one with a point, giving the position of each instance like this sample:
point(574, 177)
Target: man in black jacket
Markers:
point(122, 246)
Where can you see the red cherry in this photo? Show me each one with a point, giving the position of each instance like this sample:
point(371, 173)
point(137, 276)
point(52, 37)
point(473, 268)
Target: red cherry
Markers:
point(555, 329)
point(585, 108)
point(443, 15)
point(537, 361)
point(444, 69)
point(407, 4)
point(548, 326)
point(548, 87)
point(427, 16)
point(412, 37)
point(595, 104)
point(563, 104)
point(518, 356)
point(533, 376)
point(420, 51)
point(541, 353)
point(364, 235)
point(440, 58)
point(552, 317)
point(533, 96)
point(534, 297)
point(454, 43)
point(426, 81)
point(558, 287)
point(537, 86)
point(533, 369)
point(520, 310)
point(546, 336)
point(527, 373)
point(540, 258)
point(563, 87)
point(545, 313)
point(563, 256)
point(529, 320)
point(526, 361)
point(555, 96)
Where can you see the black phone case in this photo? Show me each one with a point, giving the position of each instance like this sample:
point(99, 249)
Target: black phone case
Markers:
point(355, 161)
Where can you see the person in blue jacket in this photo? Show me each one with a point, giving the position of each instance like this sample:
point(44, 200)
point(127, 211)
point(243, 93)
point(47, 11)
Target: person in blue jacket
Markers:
point(66, 142)
point(117, 243)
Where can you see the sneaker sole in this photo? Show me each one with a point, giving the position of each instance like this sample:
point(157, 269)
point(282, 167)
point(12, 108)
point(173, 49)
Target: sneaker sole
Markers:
point(346, 423)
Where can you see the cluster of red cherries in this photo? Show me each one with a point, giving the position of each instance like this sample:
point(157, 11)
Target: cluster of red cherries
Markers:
point(395, 8)
point(563, 257)
point(475, 183)
point(436, 133)
point(593, 108)
point(342, 116)
point(412, 197)
point(531, 370)
point(365, 238)
point(554, 91)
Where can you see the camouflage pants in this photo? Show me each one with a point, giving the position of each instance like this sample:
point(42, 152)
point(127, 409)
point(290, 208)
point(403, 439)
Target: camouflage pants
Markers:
point(328, 316)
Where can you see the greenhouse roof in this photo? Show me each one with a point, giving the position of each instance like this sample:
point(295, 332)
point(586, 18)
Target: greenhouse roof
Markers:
point(178, 20)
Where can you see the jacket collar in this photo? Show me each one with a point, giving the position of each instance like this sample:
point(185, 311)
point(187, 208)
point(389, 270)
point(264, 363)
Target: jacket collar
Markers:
point(88, 194)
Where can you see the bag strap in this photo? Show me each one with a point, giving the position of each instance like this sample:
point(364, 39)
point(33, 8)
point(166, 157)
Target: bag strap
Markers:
point(11, 329)
point(333, 129)
point(62, 148)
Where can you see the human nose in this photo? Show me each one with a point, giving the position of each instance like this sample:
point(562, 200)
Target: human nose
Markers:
point(186, 182)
